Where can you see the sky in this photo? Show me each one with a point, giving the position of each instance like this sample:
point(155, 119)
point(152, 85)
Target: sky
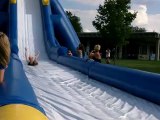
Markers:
point(148, 15)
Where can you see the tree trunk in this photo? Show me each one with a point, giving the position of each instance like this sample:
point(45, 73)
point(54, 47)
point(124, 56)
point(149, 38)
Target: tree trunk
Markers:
point(120, 52)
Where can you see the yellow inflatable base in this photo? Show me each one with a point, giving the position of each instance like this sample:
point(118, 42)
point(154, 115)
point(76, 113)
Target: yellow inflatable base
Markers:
point(13, 1)
point(20, 112)
point(45, 2)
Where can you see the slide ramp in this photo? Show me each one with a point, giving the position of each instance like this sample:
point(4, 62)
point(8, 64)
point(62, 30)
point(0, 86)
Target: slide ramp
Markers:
point(30, 29)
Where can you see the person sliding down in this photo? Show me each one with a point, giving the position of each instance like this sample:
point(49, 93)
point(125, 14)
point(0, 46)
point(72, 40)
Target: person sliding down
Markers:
point(32, 61)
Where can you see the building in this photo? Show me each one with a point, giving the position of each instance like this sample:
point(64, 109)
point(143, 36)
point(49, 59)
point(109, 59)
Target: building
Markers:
point(145, 46)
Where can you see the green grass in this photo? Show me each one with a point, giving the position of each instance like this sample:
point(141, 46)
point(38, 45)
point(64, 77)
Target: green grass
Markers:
point(145, 65)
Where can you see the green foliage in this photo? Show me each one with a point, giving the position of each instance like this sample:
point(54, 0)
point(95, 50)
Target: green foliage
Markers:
point(75, 21)
point(114, 20)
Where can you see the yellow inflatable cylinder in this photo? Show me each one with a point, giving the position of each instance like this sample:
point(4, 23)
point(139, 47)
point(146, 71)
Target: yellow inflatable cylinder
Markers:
point(20, 112)
point(13, 1)
point(45, 2)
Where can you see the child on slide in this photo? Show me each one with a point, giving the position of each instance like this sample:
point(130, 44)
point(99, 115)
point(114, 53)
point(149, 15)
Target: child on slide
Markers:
point(4, 54)
point(32, 61)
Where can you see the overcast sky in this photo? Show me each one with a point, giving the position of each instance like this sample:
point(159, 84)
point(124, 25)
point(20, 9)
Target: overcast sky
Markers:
point(148, 12)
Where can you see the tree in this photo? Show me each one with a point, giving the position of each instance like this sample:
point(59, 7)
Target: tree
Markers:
point(114, 20)
point(138, 29)
point(75, 21)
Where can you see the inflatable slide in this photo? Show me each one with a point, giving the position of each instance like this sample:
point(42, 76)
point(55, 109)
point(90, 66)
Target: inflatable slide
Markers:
point(139, 83)
point(17, 99)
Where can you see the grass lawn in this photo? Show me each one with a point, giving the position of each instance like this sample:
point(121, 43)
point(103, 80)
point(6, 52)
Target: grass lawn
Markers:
point(151, 66)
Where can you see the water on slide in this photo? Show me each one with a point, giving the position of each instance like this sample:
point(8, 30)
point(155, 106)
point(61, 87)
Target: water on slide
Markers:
point(66, 94)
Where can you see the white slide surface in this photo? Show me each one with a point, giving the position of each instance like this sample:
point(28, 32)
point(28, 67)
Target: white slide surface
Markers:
point(66, 94)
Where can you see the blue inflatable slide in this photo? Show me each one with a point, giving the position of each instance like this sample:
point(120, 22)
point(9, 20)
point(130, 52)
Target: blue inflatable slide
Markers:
point(17, 98)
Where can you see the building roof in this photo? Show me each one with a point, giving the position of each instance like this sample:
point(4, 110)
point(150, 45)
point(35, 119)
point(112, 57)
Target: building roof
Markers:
point(147, 36)
point(134, 35)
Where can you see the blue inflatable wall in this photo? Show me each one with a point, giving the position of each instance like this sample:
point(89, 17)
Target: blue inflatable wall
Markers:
point(17, 98)
point(16, 88)
point(57, 27)
point(139, 83)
